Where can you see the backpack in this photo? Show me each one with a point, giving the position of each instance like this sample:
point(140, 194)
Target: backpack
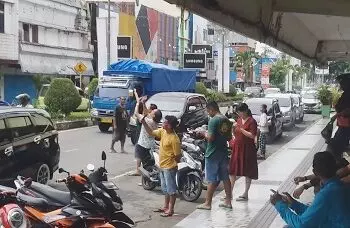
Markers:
point(225, 128)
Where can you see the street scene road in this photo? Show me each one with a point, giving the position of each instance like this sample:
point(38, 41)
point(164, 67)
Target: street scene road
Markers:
point(83, 146)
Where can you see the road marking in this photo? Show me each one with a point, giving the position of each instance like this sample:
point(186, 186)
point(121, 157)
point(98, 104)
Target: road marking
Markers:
point(68, 151)
point(77, 129)
point(122, 175)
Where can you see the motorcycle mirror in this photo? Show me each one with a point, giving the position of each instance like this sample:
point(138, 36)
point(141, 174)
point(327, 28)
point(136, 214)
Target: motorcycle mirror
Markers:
point(90, 167)
point(61, 170)
point(104, 156)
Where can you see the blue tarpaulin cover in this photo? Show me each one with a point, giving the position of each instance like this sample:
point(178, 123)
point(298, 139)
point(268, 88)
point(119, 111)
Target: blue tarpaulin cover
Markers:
point(160, 77)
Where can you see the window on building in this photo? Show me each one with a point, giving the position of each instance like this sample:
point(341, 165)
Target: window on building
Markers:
point(35, 34)
point(26, 32)
point(205, 34)
point(2, 17)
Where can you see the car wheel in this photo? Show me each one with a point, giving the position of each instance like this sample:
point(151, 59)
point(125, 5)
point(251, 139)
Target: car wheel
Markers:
point(104, 127)
point(43, 174)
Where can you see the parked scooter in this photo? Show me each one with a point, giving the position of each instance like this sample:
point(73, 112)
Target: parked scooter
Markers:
point(90, 207)
point(188, 176)
point(90, 200)
point(58, 199)
point(11, 214)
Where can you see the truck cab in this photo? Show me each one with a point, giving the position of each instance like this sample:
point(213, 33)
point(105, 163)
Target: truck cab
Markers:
point(106, 98)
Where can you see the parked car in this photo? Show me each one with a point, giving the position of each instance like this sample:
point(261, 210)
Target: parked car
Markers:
point(189, 108)
point(84, 105)
point(311, 103)
point(299, 107)
point(254, 91)
point(287, 108)
point(274, 115)
point(28, 145)
point(272, 90)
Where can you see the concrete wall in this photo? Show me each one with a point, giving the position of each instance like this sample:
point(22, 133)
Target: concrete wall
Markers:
point(9, 39)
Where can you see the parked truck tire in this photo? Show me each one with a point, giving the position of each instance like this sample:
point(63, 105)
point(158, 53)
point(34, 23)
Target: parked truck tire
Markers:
point(104, 127)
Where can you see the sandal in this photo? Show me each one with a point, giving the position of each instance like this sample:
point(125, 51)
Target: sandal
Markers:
point(160, 210)
point(203, 207)
point(224, 205)
point(167, 214)
point(242, 199)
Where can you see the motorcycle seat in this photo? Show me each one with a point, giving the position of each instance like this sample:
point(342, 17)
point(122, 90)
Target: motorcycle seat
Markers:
point(56, 195)
point(32, 201)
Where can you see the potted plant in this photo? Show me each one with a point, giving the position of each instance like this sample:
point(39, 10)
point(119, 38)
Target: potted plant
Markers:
point(324, 94)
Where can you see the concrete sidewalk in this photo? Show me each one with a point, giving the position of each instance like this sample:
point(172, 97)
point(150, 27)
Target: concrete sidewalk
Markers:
point(277, 172)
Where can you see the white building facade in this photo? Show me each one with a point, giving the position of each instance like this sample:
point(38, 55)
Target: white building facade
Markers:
point(43, 37)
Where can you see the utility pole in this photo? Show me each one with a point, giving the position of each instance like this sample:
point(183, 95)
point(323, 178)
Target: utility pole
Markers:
point(109, 35)
point(182, 37)
point(223, 62)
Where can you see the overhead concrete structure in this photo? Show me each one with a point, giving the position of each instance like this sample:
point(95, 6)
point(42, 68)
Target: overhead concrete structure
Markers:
point(314, 30)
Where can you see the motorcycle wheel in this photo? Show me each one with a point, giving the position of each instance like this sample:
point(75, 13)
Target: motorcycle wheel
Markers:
point(192, 188)
point(147, 184)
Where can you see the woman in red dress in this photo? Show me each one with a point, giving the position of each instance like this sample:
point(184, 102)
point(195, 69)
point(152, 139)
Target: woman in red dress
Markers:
point(243, 160)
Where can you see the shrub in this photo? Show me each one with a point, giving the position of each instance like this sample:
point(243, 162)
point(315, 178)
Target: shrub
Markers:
point(62, 96)
point(233, 91)
point(216, 96)
point(201, 89)
point(92, 86)
point(336, 94)
point(324, 94)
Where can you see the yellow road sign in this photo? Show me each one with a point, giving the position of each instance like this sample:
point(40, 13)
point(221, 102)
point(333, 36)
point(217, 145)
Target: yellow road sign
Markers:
point(80, 68)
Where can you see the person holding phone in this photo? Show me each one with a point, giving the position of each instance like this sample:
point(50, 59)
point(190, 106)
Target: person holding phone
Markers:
point(331, 206)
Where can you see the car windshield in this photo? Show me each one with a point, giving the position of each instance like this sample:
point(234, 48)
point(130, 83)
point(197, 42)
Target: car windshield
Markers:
point(309, 95)
point(272, 90)
point(284, 102)
point(112, 92)
point(252, 90)
point(255, 106)
point(168, 104)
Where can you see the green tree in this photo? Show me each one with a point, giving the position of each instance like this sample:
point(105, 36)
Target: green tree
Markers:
point(298, 72)
point(92, 86)
point(338, 67)
point(244, 60)
point(279, 70)
point(62, 96)
point(201, 89)
point(39, 81)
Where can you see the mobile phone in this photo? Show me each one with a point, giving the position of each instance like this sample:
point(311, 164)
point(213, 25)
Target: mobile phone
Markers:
point(273, 191)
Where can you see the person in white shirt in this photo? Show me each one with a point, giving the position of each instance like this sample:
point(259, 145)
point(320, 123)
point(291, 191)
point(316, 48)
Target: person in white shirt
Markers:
point(145, 141)
point(263, 129)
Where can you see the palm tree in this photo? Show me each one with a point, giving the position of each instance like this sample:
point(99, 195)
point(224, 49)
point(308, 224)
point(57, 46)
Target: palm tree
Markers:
point(244, 61)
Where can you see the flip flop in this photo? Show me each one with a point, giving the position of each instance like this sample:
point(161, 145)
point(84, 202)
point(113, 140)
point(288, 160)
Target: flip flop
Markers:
point(223, 205)
point(167, 214)
point(242, 199)
point(203, 207)
point(160, 210)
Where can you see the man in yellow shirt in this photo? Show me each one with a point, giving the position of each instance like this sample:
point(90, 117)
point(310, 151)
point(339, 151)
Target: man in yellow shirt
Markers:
point(169, 156)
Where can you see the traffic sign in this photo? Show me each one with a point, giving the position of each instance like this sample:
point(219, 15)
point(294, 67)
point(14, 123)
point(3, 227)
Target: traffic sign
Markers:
point(80, 68)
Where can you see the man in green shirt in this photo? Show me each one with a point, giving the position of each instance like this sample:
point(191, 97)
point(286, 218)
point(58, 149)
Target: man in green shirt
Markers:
point(216, 156)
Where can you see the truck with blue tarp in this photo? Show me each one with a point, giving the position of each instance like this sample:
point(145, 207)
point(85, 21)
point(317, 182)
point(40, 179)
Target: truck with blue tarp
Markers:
point(123, 77)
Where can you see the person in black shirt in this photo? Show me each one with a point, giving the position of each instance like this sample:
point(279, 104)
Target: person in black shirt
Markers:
point(120, 124)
